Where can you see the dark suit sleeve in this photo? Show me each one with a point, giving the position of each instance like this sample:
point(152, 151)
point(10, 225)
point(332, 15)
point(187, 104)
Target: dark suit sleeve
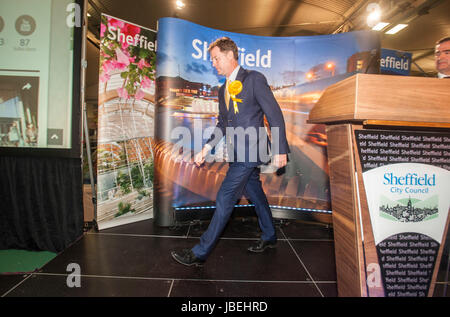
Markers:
point(271, 109)
point(219, 130)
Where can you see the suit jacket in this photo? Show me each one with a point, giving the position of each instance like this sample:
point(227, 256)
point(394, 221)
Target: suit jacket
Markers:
point(246, 138)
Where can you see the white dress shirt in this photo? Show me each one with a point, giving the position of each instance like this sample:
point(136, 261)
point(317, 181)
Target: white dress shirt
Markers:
point(234, 73)
point(231, 78)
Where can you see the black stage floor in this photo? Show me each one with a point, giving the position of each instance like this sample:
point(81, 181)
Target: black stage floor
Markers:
point(134, 260)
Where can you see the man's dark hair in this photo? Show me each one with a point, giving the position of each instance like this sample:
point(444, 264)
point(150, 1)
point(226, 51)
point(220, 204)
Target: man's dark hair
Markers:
point(442, 40)
point(225, 44)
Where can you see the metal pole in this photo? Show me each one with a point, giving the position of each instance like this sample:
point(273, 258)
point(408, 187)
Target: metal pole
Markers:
point(91, 170)
point(85, 135)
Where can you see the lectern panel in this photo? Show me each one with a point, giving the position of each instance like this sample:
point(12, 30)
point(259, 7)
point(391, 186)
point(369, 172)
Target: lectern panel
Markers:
point(390, 181)
point(344, 213)
point(383, 97)
point(406, 180)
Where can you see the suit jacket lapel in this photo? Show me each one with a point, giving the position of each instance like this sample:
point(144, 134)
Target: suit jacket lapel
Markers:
point(242, 73)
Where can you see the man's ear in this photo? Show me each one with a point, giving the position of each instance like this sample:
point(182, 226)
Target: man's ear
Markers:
point(230, 55)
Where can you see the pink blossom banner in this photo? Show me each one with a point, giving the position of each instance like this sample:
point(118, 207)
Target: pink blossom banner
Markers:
point(125, 122)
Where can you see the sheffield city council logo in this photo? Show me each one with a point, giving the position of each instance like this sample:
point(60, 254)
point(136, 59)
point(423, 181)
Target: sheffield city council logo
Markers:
point(407, 208)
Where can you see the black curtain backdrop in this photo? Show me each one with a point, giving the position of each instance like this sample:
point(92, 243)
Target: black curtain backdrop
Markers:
point(41, 205)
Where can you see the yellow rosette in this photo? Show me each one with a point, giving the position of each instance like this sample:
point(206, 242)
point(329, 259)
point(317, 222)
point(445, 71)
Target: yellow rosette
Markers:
point(234, 88)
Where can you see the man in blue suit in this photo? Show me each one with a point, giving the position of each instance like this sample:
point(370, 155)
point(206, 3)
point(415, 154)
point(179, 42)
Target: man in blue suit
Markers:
point(243, 101)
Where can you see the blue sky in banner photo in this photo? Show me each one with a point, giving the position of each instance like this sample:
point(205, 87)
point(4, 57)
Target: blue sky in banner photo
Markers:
point(182, 50)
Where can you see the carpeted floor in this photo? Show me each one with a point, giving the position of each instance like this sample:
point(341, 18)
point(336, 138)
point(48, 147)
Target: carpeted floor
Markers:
point(23, 261)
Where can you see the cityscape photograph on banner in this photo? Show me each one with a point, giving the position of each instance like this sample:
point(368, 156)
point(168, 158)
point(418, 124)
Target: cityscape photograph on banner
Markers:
point(298, 70)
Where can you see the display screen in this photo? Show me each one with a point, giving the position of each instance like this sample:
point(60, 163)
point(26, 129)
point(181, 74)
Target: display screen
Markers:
point(40, 45)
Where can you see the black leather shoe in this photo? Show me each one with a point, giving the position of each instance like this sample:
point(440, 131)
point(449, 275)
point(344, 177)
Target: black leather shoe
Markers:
point(187, 257)
point(262, 245)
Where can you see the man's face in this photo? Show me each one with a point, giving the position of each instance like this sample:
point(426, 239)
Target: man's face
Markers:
point(442, 57)
point(222, 61)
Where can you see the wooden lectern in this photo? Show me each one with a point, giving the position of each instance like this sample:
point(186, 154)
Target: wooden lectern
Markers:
point(389, 160)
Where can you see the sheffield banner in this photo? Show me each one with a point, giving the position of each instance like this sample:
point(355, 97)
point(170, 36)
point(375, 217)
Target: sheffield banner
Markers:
point(393, 62)
point(125, 123)
point(298, 70)
point(406, 177)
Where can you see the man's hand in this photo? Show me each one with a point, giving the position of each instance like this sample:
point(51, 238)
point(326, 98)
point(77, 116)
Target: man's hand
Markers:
point(279, 160)
point(199, 158)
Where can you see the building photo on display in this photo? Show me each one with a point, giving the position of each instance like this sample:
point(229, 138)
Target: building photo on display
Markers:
point(36, 75)
point(125, 123)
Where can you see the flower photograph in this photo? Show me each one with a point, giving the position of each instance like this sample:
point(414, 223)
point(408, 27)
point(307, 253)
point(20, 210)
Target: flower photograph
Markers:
point(125, 122)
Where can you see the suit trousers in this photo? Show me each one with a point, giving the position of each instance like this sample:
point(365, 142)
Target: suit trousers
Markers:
point(240, 179)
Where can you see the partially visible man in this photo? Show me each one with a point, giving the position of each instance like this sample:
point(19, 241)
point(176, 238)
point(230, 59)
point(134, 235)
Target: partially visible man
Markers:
point(442, 57)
